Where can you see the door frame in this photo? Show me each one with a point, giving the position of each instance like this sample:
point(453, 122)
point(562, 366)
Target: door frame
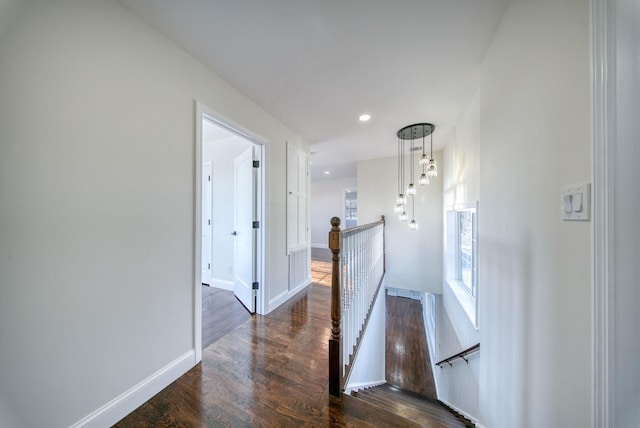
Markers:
point(208, 165)
point(204, 112)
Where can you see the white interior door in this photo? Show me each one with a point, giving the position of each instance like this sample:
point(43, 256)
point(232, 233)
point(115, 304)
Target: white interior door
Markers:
point(206, 223)
point(244, 232)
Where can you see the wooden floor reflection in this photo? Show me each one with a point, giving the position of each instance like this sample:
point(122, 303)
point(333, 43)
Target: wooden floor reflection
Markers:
point(270, 371)
point(407, 363)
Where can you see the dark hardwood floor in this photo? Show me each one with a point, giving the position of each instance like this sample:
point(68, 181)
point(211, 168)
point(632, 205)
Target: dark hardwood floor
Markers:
point(221, 313)
point(407, 362)
point(270, 371)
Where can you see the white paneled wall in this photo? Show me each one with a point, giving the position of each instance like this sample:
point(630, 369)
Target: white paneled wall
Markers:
point(299, 268)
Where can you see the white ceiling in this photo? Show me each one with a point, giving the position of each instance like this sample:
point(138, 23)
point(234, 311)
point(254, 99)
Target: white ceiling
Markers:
point(316, 65)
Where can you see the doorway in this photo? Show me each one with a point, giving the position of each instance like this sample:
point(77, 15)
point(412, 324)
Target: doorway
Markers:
point(229, 177)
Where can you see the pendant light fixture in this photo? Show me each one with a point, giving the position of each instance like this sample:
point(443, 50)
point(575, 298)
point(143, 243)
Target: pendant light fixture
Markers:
point(429, 168)
point(424, 180)
point(400, 200)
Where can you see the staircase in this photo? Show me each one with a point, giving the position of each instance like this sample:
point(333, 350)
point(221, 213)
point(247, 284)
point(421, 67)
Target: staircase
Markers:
point(404, 408)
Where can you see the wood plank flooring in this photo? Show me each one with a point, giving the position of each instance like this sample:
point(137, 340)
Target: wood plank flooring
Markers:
point(406, 348)
point(426, 412)
point(222, 312)
point(321, 266)
point(270, 371)
point(321, 273)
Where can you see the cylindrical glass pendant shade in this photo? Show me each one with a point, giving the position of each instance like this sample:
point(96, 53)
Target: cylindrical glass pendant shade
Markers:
point(432, 168)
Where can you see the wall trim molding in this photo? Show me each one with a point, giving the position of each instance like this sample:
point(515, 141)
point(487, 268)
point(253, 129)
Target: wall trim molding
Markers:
point(133, 398)
point(363, 385)
point(463, 413)
point(402, 292)
point(222, 284)
point(603, 230)
point(283, 297)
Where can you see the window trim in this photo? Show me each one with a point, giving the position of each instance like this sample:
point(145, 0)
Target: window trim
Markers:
point(472, 288)
point(467, 298)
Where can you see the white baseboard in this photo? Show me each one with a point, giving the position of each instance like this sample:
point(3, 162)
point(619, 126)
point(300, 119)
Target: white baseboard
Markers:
point(358, 386)
point(465, 414)
point(112, 412)
point(283, 297)
point(221, 283)
point(325, 246)
point(401, 292)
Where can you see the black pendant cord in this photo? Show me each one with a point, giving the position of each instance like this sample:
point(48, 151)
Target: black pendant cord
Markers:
point(424, 166)
point(398, 166)
point(413, 196)
point(412, 166)
point(402, 162)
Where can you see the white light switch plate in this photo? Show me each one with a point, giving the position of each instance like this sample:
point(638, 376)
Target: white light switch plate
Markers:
point(580, 193)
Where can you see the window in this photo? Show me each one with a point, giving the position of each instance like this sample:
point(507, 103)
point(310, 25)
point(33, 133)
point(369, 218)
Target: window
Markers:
point(461, 258)
point(462, 249)
point(466, 249)
point(351, 207)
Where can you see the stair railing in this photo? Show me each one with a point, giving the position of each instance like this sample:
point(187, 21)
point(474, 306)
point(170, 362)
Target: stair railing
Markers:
point(462, 354)
point(358, 266)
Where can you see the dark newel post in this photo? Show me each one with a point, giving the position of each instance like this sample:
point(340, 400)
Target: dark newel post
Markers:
point(335, 353)
point(384, 254)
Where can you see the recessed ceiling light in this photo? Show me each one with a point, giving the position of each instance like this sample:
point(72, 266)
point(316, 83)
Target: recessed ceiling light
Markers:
point(364, 117)
point(327, 172)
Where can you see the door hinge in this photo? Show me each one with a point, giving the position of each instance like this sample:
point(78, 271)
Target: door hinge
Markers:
point(256, 164)
point(256, 224)
point(209, 222)
point(209, 177)
point(255, 285)
point(208, 265)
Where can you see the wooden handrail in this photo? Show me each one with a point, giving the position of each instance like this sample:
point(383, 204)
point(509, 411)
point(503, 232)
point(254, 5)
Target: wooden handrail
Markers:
point(335, 354)
point(355, 229)
point(461, 354)
point(336, 359)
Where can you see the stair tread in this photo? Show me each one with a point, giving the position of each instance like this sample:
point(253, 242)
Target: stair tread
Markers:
point(412, 406)
point(423, 415)
point(369, 414)
point(410, 397)
point(416, 399)
point(419, 416)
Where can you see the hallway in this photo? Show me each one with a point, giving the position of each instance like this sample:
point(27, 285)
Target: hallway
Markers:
point(270, 371)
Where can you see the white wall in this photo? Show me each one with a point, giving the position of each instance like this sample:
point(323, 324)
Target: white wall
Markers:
point(97, 140)
point(454, 330)
point(9, 9)
point(534, 269)
point(461, 160)
point(457, 384)
point(369, 366)
point(327, 200)
point(625, 250)
point(414, 258)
